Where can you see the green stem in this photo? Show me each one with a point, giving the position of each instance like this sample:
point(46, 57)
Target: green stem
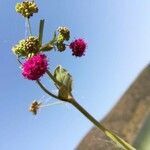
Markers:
point(45, 90)
point(53, 78)
point(119, 141)
point(19, 61)
point(46, 47)
point(108, 133)
point(48, 92)
point(29, 27)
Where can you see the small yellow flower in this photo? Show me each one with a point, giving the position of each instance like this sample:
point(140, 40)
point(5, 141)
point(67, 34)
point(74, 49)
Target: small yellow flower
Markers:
point(26, 8)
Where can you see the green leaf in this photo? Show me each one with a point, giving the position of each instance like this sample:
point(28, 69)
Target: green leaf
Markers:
point(41, 28)
point(64, 82)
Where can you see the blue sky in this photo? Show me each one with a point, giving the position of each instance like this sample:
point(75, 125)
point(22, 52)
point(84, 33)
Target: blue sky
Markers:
point(118, 37)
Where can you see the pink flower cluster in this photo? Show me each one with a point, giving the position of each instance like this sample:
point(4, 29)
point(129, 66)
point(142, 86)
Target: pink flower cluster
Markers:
point(78, 47)
point(34, 67)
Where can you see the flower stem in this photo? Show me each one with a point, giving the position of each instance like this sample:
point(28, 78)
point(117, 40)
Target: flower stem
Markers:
point(45, 90)
point(48, 92)
point(115, 138)
point(53, 78)
point(19, 61)
point(119, 141)
point(29, 27)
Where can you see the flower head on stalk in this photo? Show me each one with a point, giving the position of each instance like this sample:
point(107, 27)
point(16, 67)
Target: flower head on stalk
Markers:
point(34, 107)
point(19, 49)
point(35, 67)
point(64, 35)
point(32, 45)
point(78, 47)
point(27, 47)
point(26, 8)
point(64, 31)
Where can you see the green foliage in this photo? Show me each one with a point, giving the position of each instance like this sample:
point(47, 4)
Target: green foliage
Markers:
point(41, 29)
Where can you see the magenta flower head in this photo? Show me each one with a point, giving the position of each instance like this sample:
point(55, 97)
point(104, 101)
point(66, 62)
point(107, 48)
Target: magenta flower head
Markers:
point(34, 67)
point(78, 47)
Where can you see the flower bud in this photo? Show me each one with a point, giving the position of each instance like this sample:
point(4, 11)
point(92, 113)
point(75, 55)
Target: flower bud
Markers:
point(32, 45)
point(64, 35)
point(61, 47)
point(26, 8)
point(19, 49)
point(64, 32)
point(27, 47)
point(60, 38)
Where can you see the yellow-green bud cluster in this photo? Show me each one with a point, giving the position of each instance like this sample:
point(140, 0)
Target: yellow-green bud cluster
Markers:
point(27, 8)
point(27, 47)
point(64, 35)
point(64, 32)
point(19, 49)
point(61, 47)
point(32, 45)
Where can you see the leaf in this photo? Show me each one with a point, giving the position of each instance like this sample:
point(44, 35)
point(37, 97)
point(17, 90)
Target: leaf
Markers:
point(41, 28)
point(64, 81)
